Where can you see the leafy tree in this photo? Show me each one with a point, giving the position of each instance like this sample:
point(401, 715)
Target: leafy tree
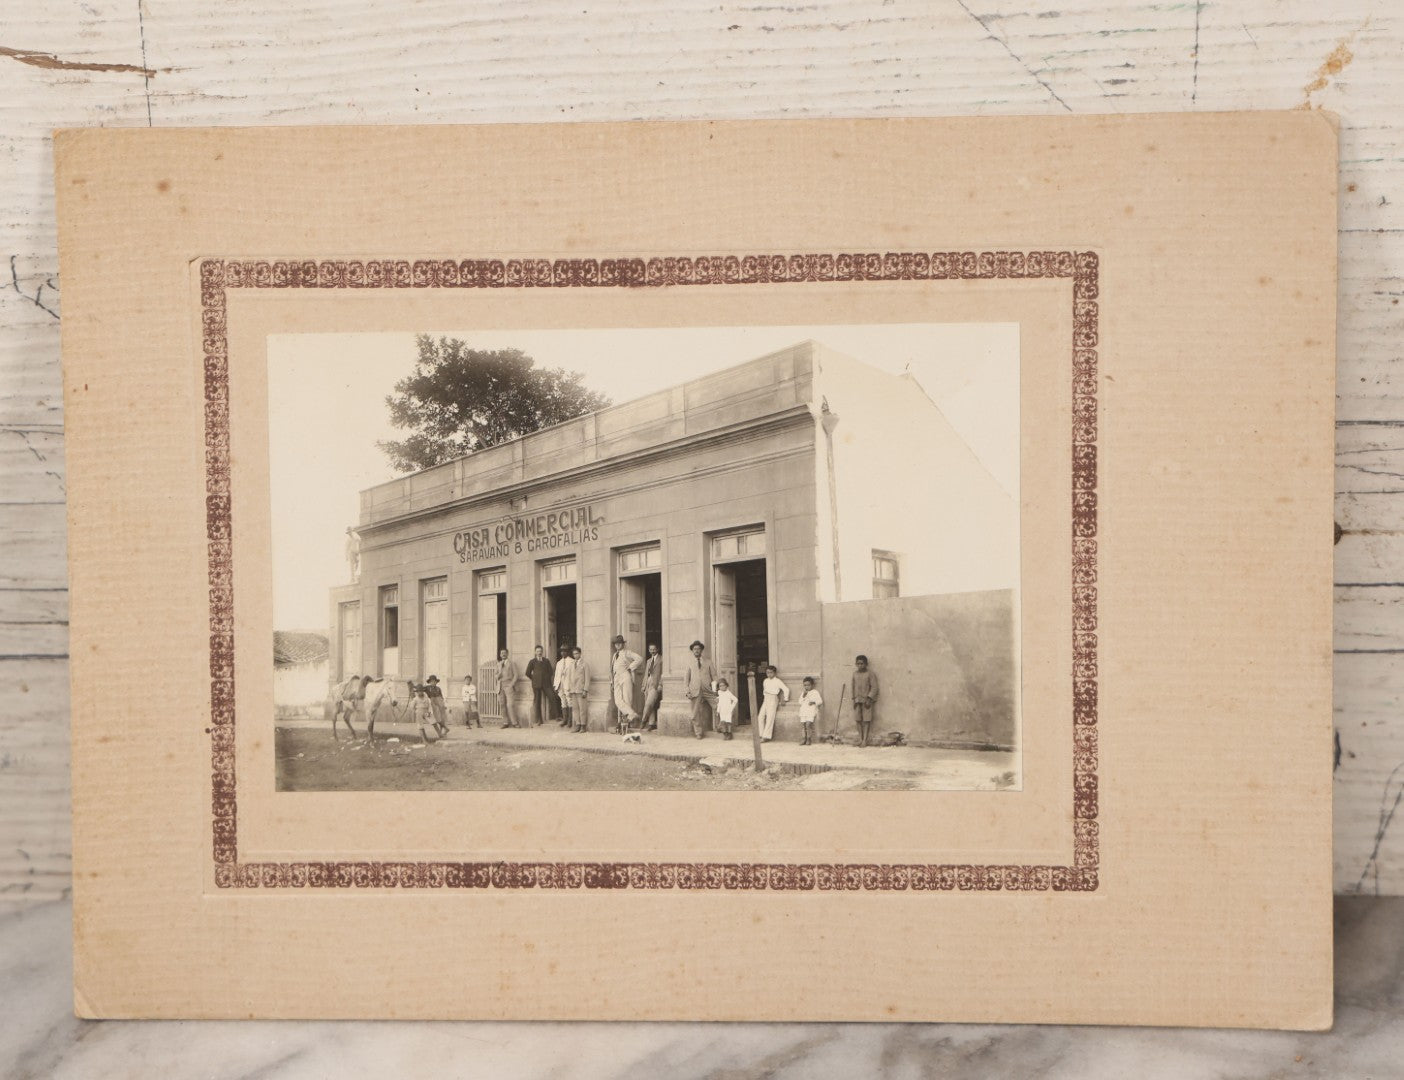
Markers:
point(459, 400)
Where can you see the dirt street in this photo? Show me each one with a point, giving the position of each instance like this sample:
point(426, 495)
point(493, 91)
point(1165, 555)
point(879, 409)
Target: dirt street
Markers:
point(308, 760)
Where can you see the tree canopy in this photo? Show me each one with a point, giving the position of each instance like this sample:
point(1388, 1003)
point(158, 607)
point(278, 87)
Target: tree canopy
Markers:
point(459, 400)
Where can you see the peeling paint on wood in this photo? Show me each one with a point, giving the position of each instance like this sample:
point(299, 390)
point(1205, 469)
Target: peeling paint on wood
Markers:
point(52, 63)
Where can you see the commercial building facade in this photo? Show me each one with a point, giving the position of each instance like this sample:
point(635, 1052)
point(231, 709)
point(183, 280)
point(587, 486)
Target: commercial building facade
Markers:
point(731, 509)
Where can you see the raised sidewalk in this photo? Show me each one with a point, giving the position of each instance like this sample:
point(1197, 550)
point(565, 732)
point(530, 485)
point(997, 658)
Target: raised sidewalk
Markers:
point(936, 768)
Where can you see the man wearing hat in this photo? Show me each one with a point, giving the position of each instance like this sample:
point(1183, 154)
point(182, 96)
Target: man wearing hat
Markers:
point(539, 673)
point(436, 704)
point(652, 688)
point(622, 666)
point(699, 687)
point(506, 679)
point(577, 687)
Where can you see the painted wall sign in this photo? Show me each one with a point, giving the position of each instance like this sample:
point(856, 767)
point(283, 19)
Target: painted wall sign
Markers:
point(544, 532)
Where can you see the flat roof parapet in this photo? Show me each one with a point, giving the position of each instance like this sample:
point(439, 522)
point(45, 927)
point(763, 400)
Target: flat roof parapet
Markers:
point(758, 388)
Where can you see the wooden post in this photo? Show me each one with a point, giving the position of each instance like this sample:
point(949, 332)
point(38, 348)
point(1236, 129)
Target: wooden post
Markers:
point(756, 744)
point(755, 720)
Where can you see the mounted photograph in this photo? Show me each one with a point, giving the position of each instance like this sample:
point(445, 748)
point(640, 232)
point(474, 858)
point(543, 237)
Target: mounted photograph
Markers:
point(698, 558)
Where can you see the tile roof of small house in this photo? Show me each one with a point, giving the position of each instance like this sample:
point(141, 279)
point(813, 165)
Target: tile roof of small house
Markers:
point(298, 647)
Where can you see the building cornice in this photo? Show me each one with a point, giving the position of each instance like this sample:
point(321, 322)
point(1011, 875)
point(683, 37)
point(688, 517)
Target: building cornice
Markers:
point(741, 432)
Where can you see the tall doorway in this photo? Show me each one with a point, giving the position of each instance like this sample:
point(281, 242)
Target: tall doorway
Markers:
point(350, 639)
point(390, 631)
point(435, 623)
point(559, 606)
point(641, 601)
point(640, 573)
point(741, 614)
point(741, 618)
point(492, 617)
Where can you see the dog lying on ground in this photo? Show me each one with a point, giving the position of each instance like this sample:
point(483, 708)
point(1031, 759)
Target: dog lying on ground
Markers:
point(890, 738)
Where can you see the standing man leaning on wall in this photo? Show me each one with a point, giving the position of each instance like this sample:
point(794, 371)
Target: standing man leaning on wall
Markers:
point(652, 688)
point(699, 682)
point(577, 686)
point(506, 679)
point(622, 666)
point(561, 683)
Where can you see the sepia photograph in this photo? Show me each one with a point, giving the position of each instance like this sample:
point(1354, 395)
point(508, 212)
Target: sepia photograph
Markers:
point(700, 558)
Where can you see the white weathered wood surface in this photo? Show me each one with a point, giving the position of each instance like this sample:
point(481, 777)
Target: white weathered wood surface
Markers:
point(167, 62)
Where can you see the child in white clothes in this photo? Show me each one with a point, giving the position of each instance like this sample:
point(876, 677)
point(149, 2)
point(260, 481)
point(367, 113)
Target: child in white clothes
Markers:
point(423, 713)
point(809, 704)
point(726, 707)
point(775, 692)
point(470, 704)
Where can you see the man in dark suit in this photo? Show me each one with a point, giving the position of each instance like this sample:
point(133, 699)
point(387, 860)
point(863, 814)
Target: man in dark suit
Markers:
point(538, 673)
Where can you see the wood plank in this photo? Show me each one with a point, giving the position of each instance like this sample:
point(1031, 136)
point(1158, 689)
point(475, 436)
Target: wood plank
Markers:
point(35, 841)
point(1368, 618)
point(32, 640)
point(1371, 545)
point(31, 394)
point(31, 466)
point(1369, 457)
point(33, 541)
point(1369, 848)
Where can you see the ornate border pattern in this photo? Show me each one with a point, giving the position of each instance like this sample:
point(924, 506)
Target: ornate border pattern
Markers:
point(218, 276)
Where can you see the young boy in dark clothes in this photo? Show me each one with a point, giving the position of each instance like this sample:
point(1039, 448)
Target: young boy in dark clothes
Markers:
point(865, 692)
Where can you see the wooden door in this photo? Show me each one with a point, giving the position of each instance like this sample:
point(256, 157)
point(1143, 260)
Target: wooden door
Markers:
point(631, 603)
point(487, 631)
point(436, 639)
point(351, 639)
point(553, 637)
point(724, 626)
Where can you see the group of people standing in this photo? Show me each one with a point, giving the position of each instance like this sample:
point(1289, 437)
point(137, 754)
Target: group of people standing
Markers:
point(559, 692)
point(560, 688)
point(712, 700)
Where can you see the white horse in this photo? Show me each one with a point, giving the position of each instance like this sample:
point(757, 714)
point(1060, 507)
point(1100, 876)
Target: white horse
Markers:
point(379, 693)
point(359, 694)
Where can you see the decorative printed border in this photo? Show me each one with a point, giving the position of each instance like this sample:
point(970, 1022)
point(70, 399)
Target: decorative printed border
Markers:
point(218, 276)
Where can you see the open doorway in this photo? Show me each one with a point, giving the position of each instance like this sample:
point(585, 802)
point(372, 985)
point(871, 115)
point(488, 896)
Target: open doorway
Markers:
point(641, 600)
point(741, 624)
point(559, 606)
point(492, 617)
point(641, 605)
point(390, 631)
point(560, 617)
point(640, 574)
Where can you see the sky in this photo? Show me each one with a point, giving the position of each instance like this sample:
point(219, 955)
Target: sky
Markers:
point(327, 410)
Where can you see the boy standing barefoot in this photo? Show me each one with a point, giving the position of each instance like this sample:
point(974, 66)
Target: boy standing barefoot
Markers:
point(726, 707)
point(809, 704)
point(865, 692)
